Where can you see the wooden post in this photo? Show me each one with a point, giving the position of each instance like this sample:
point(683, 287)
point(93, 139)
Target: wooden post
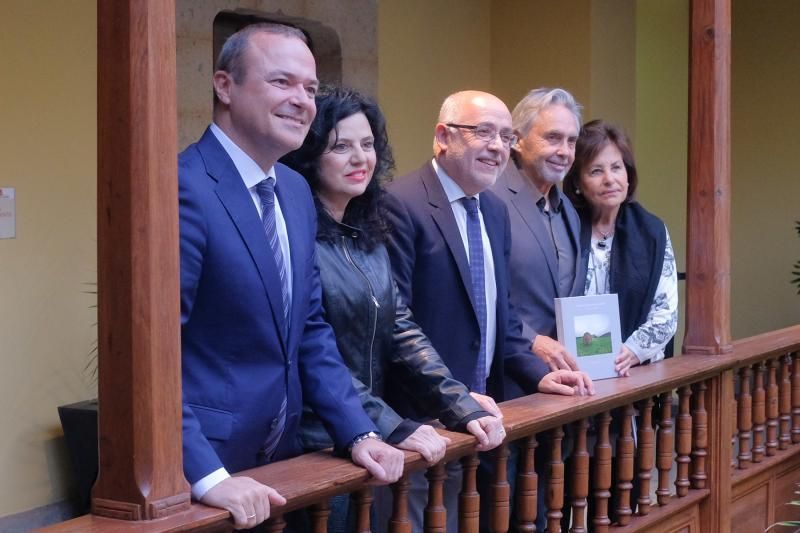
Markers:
point(435, 512)
point(708, 328)
point(400, 522)
point(646, 456)
point(602, 474)
point(715, 511)
point(141, 467)
point(708, 312)
point(527, 490)
point(469, 501)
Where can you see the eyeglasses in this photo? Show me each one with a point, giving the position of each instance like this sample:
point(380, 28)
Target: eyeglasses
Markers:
point(487, 132)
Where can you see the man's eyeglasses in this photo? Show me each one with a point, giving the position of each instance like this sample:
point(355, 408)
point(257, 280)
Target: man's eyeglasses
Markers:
point(487, 132)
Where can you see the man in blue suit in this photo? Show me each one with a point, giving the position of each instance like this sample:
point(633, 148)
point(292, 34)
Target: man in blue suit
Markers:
point(254, 342)
point(450, 246)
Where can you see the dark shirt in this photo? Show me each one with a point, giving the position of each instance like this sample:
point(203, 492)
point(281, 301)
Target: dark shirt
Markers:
point(565, 252)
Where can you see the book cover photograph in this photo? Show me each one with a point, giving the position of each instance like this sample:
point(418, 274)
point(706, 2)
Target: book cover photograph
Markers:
point(588, 327)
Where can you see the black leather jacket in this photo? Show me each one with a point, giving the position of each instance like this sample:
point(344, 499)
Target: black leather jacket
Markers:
point(379, 340)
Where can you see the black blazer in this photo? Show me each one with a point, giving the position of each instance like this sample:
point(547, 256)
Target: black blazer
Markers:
point(432, 273)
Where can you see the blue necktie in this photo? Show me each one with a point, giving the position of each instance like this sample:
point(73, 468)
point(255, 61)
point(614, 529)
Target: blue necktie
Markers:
point(266, 192)
point(476, 270)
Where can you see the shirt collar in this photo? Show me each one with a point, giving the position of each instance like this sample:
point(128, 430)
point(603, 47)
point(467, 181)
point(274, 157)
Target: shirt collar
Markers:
point(452, 189)
point(248, 169)
point(553, 196)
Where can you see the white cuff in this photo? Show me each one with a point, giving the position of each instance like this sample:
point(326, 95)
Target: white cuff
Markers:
point(200, 488)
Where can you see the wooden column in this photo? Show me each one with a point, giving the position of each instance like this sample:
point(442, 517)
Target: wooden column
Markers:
point(715, 511)
point(708, 328)
point(141, 472)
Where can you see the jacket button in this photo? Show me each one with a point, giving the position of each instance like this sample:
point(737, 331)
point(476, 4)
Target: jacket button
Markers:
point(476, 344)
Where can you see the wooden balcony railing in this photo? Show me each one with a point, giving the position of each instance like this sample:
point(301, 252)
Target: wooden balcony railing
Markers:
point(679, 459)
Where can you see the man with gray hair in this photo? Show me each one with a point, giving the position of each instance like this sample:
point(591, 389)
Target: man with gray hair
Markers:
point(545, 261)
point(449, 248)
point(545, 229)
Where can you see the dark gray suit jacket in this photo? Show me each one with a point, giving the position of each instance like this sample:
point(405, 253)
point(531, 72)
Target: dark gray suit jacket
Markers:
point(533, 263)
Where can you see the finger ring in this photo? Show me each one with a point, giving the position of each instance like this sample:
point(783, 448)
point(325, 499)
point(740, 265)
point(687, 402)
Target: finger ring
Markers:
point(250, 516)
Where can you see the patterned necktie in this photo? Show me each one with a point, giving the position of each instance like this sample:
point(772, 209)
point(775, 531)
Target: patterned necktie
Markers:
point(266, 192)
point(476, 270)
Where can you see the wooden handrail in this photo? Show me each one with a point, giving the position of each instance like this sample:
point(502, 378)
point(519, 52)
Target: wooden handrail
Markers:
point(316, 476)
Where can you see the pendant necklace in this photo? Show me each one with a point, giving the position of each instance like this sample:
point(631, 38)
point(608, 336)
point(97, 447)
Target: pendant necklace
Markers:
point(601, 243)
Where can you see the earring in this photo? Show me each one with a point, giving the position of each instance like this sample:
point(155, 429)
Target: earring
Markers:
point(577, 191)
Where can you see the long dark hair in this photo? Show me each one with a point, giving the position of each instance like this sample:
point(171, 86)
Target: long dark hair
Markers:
point(365, 212)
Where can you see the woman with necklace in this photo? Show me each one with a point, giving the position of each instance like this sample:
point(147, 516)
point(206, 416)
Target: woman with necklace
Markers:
point(344, 158)
point(627, 248)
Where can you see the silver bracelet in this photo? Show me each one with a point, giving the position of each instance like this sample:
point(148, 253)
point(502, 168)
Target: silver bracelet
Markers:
point(362, 437)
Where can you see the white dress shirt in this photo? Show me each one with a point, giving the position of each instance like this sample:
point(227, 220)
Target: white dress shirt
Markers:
point(454, 195)
point(251, 175)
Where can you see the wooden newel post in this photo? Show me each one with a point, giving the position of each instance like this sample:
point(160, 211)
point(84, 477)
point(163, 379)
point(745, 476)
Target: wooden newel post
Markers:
point(708, 312)
point(141, 473)
point(708, 219)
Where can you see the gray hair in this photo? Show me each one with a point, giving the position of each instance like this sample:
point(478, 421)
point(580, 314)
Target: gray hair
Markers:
point(532, 104)
point(231, 57)
point(450, 107)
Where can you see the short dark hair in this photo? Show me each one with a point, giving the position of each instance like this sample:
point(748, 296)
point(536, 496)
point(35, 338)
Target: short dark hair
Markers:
point(231, 57)
point(595, 136)
point(367, 211)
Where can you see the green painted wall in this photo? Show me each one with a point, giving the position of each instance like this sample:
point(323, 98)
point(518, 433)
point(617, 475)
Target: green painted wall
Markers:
point(766, 180)
point(426, 51)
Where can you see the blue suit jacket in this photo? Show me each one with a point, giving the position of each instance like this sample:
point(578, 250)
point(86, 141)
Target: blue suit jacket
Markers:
point(237, 361)
point(534, 266)
point(432, 272)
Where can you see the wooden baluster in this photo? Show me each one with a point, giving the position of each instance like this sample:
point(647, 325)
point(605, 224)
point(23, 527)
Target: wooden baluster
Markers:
point(795, 397)
point(700, 436)
point(734, 427)
point(759, 413)
point(500, 511)
point(645, 456)
point(527, 480)
point(785, 403)
point(772, 408)
point(602, 474)
point(319, 516)
point(625, 466)
point(275, 524)
point(580, 477)
point(744, 417)
point(469, 499)
point(555, 482)
point(664, 449)
point(400, 522)
point(683, 444)
point(435, 513)
point(363, 499)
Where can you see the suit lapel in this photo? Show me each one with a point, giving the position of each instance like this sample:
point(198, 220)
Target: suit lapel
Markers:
point(527, 209)
point(443, 216)
point(238, 203)
point(574, 229)
point(294, 225)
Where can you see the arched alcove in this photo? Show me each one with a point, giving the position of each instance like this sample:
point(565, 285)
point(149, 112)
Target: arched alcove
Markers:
point(345, 46)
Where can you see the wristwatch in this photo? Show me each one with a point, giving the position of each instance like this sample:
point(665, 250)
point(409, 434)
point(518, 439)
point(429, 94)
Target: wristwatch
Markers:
point(361, 437)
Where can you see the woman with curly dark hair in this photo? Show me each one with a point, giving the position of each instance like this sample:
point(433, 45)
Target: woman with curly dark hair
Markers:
point(345, 157)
